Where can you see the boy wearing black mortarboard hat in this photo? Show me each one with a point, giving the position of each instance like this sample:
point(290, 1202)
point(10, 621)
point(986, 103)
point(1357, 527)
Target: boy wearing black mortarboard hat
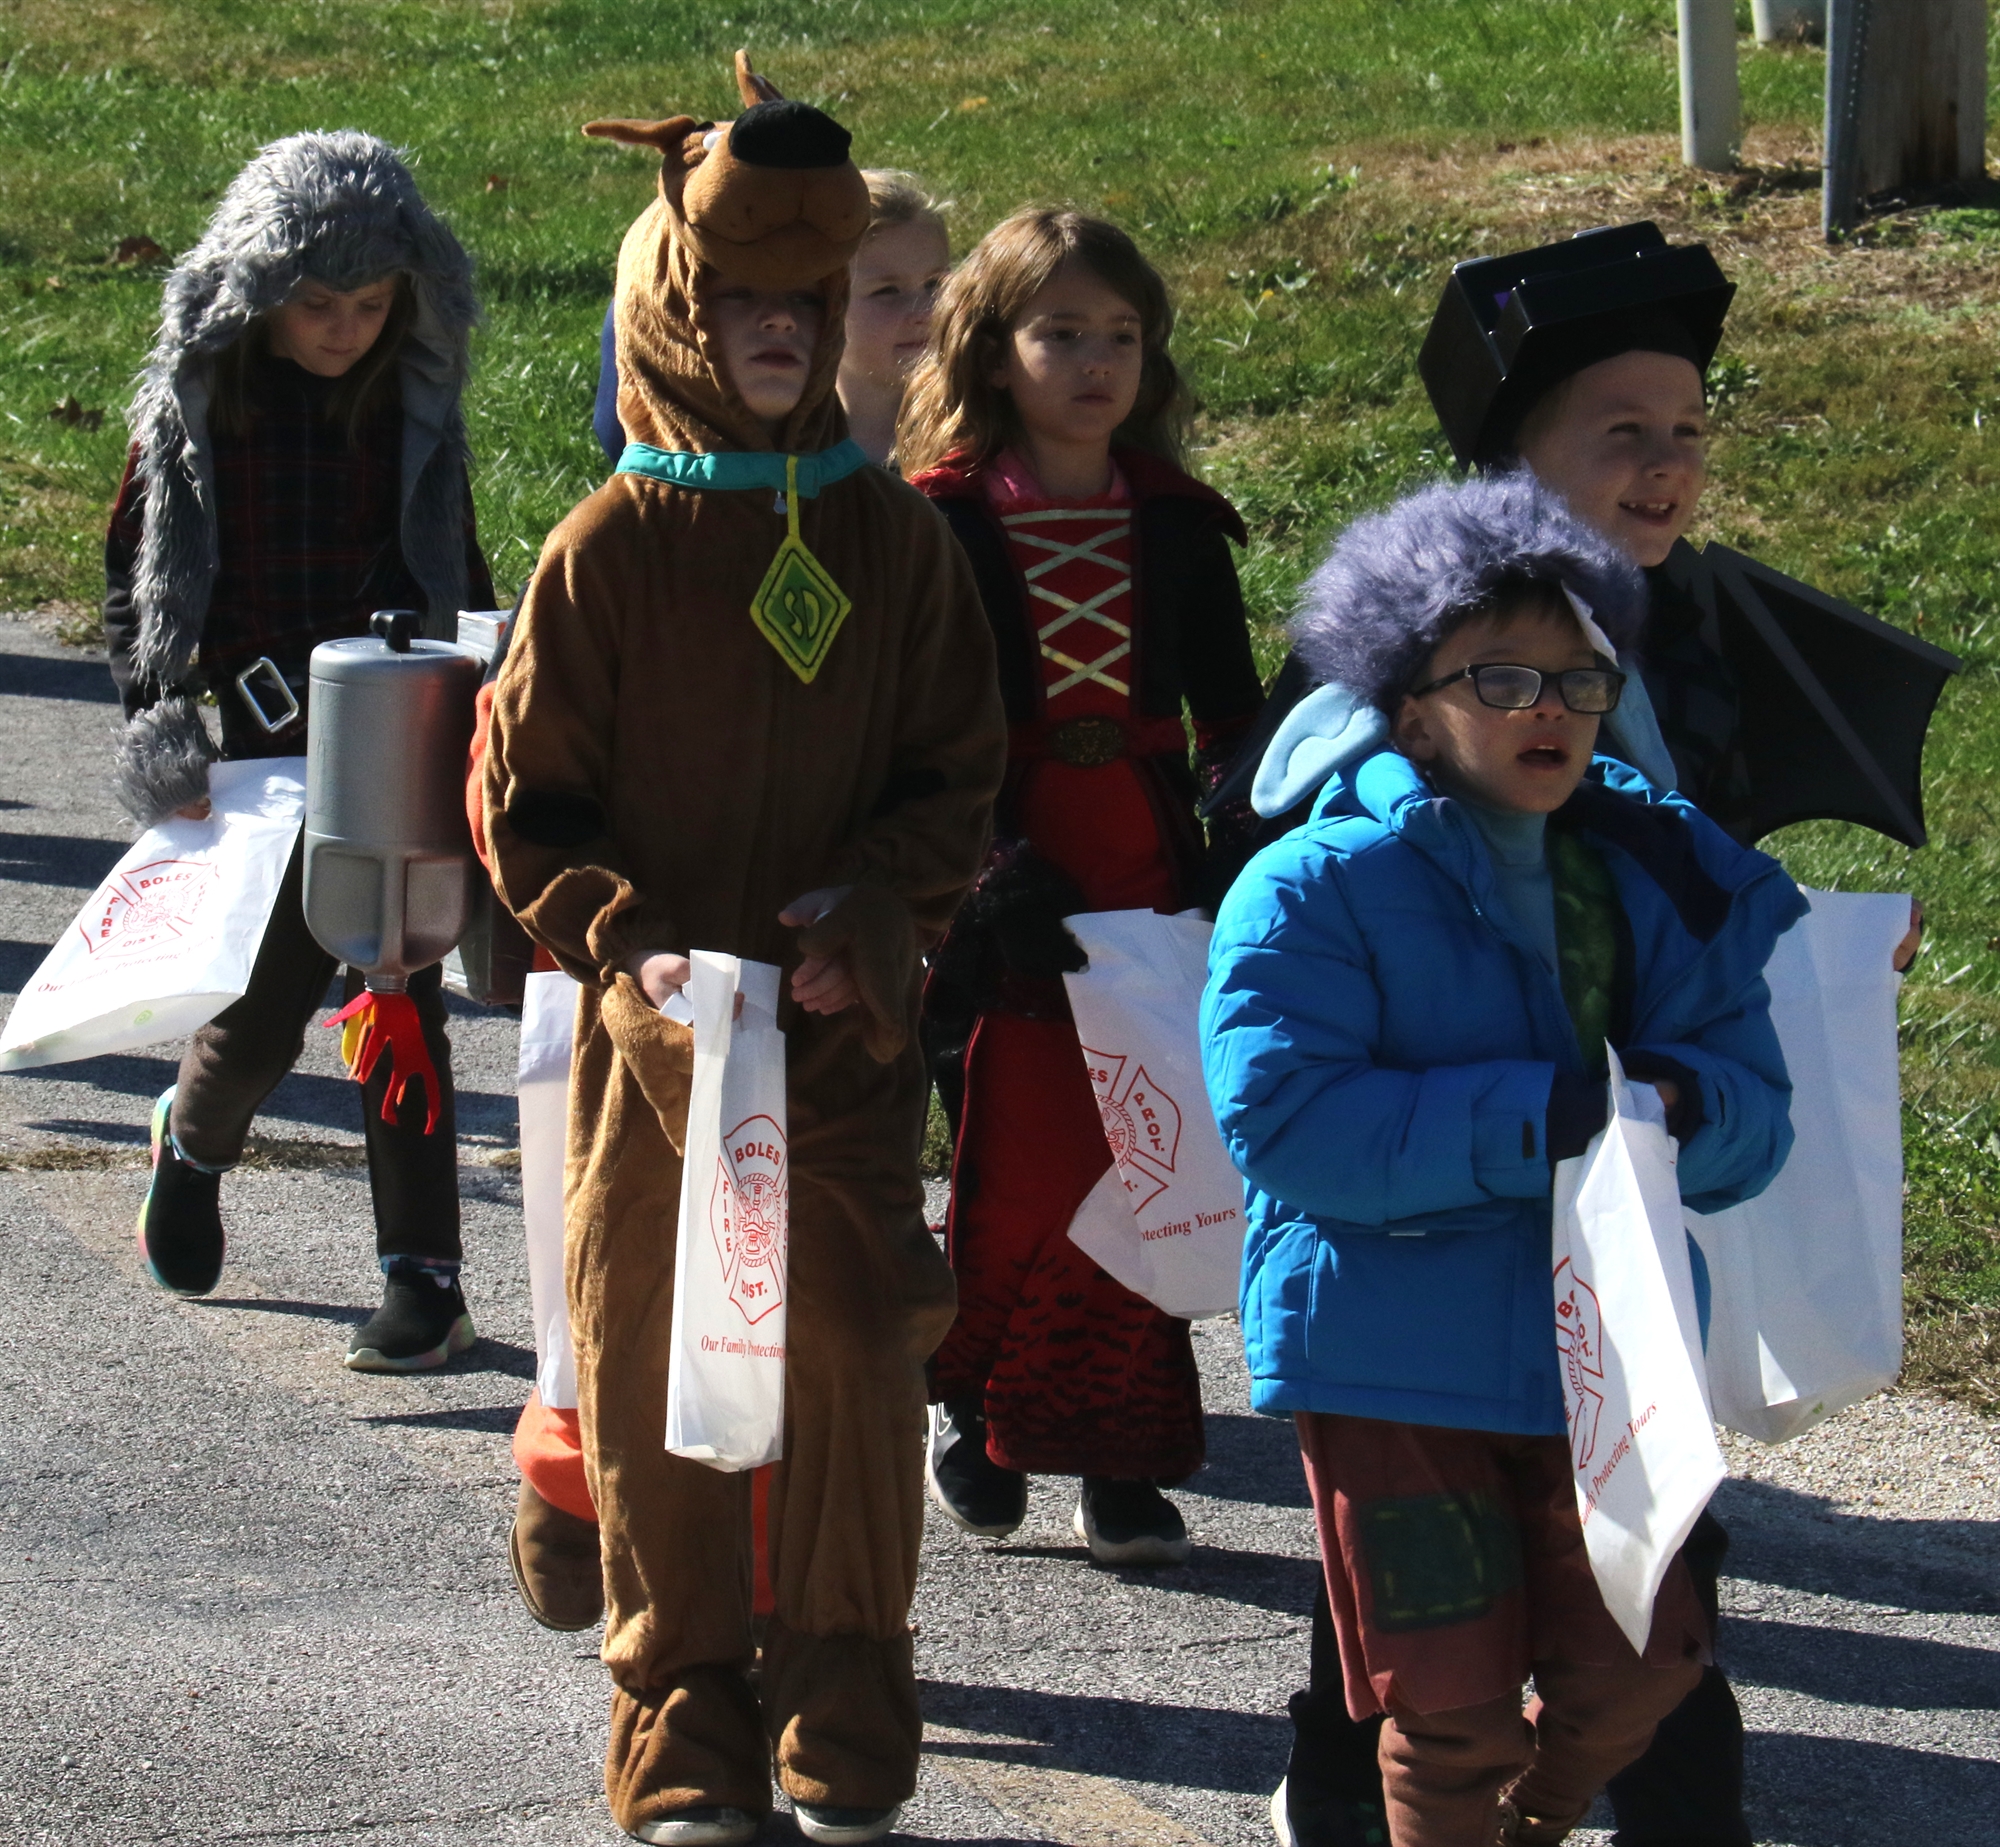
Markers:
point(1585, 361)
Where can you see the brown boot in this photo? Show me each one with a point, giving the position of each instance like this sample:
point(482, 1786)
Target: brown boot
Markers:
point(1519, 1830)
point(556, 1565)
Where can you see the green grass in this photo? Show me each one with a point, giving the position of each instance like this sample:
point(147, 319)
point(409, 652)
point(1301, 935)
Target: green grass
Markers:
point(1305, 173)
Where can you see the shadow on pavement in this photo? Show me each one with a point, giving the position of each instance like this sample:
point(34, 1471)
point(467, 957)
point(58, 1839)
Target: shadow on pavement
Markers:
point(1864, 1791)
point(1254, 1459)
point(1194, 1747)
point(930, 1840)
point(1257, 1580)
point(1848, 1667)
point(18, 960)
point(302, 1096)
point(489, 1355)
point(495, 1419)
point(263, 1305)
point(1798, 1541)
point(79, 861)
point(497, 1356)
point(123, 1074)
point(35, 676)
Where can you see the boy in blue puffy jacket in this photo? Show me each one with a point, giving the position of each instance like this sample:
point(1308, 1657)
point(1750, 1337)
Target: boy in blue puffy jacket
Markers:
point(1404, 1031)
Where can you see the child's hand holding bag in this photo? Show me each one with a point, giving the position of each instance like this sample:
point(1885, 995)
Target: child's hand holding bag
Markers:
point(1628, 1338)
point(869, 930)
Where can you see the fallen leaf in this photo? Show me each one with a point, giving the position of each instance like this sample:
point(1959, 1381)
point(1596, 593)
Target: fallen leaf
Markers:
point(137, 250)
point(53, 282)
point(973, 102)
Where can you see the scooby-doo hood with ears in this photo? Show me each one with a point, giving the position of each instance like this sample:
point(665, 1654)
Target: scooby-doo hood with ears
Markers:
point(771, 201)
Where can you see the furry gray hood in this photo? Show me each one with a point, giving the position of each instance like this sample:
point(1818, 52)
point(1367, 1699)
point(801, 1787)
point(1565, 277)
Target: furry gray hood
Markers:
point(342, 209)
point(1394, 585)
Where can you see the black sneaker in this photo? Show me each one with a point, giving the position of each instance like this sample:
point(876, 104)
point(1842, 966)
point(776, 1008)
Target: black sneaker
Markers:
point(820, 1822)
point(422, 1323)
point(1130, 1523)
point(973, 1489)
point(180, 1223)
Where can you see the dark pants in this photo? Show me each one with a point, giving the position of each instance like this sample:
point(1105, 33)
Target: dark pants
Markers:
point(1686, 1791)
point(236, 1061)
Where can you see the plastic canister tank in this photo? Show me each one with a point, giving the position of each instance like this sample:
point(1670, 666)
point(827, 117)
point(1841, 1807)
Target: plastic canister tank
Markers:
point(388, 859)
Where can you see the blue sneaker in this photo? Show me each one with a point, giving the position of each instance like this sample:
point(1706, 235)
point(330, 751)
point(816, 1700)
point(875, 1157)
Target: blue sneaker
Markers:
point(180, 1223)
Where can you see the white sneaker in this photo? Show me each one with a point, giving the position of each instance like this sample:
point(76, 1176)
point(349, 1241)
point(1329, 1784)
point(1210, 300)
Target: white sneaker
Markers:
point(1281, 1820)
point(707, 1826)
point(818, 1822)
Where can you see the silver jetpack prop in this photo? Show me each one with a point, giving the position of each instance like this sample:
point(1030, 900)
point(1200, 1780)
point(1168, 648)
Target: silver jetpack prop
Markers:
point(390, 873)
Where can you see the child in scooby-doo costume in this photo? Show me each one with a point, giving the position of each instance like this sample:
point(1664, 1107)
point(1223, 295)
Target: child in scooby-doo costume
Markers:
point(750, 667)
point(905, 254)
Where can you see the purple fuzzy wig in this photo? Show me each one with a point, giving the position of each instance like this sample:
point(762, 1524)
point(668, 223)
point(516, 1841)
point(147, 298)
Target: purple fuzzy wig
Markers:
point(1398, 582)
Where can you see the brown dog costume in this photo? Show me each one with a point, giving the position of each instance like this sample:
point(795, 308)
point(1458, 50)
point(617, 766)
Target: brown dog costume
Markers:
point(660, 777)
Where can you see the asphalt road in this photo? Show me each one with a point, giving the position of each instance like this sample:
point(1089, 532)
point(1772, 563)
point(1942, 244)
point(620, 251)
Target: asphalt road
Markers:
point(247, 1595)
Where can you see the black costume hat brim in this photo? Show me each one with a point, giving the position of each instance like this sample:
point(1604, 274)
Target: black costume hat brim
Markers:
point(1510, 328)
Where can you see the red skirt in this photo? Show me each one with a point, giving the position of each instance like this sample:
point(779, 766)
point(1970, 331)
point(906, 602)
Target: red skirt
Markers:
point(1079, 1375)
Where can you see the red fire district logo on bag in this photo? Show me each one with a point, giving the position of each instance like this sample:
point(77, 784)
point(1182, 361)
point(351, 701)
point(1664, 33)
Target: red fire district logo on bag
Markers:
point(1141, 1122)
point(1580, 1341)
point(748, 1216)
point(147, 907)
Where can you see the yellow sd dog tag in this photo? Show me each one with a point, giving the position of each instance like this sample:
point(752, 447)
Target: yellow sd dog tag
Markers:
point(798, 608)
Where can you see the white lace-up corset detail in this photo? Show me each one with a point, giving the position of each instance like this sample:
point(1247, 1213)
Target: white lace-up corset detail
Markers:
point(1082, 640)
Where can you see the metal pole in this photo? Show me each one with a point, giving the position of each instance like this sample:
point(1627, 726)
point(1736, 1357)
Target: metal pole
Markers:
point(1711, 102)
point(1847, 25)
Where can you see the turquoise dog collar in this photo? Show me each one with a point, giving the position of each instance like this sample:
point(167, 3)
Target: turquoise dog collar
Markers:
point(743, 468)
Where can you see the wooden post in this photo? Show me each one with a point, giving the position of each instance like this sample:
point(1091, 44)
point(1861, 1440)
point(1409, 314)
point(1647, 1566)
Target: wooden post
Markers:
point(1905, 100)
point(1711, 102)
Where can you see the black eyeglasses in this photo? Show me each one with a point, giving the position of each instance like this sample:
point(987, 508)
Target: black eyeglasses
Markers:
point(1591, 690)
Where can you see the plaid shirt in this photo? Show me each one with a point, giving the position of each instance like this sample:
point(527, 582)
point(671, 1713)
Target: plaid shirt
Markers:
point(307, 526)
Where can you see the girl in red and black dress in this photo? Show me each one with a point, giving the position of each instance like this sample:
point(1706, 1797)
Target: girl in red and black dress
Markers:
point(1044, 424)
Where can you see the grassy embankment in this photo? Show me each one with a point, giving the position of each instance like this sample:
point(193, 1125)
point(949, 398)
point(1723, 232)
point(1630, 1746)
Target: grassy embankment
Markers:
point(1305, 173)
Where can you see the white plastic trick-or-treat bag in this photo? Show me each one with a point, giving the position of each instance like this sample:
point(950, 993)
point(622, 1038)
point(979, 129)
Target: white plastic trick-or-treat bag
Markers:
point(169, 939)
point(1167, 1218)
point(726, 1370)
point(1808, 1276)
point(548, 1034)
point(1628, 1341)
